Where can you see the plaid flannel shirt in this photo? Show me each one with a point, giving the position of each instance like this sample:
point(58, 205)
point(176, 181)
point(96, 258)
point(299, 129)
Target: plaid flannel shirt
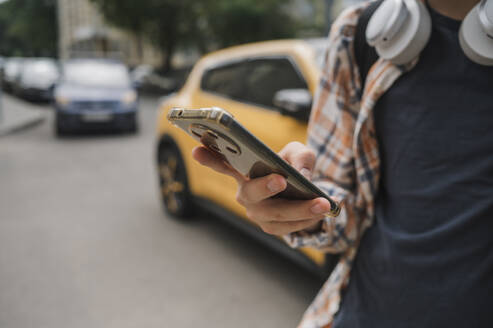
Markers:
point(341, 132)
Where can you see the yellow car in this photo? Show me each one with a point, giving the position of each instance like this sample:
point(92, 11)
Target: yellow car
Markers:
point(268, 87)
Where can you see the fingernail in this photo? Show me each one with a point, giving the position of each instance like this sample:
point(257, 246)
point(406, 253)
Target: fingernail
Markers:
point(274, 185)
point(319, 209)
point(306, 173)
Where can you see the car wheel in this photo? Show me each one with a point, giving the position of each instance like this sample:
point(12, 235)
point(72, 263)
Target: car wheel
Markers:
point(59, 128)
point(134, 126)
point(175, 194)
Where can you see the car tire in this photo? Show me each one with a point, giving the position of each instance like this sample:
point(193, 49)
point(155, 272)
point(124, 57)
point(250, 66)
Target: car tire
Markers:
point(60, 130)
point(134, 127)
point(173, 182)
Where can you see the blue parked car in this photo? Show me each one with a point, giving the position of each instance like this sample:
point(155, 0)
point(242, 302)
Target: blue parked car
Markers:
point(95, 93)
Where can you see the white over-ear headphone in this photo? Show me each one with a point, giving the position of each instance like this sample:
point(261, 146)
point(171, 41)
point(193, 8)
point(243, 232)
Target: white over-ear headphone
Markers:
point(400, 29)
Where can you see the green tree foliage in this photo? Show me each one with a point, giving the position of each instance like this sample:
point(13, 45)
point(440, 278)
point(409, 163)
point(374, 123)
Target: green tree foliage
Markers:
point(155, 20)
point(28, 28)
point(239, 21)
point(206, 24)
point(126, 14)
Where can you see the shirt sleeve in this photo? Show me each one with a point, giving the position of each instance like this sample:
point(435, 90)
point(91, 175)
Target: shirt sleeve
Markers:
point(330, 135)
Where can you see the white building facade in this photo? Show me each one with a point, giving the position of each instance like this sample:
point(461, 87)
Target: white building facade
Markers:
point(84, 33)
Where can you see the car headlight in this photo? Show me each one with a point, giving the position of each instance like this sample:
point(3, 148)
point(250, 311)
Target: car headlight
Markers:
point(129, 97)
point(62, 101)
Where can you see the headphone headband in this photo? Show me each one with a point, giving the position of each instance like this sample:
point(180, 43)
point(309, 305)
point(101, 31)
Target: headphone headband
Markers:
point(400, 29)
point(398, 14)
point(484, 18)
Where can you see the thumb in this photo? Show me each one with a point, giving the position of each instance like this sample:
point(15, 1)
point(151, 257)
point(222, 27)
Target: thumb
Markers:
point(300, 157)
point(306, 173)
point(304, 162)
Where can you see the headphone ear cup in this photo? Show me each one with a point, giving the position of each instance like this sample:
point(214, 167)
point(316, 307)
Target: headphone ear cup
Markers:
point(411, 38)
point(474, 40)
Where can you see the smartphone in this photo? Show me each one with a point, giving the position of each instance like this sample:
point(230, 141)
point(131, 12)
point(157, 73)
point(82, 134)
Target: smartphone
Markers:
point(220, 132)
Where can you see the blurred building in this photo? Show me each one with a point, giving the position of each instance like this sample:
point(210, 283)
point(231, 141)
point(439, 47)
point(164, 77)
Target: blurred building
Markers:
point(84, 33)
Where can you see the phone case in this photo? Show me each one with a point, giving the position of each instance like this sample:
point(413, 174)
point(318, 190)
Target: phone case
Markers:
point(216, 129)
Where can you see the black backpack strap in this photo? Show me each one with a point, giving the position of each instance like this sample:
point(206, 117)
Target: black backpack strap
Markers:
point(365, 55)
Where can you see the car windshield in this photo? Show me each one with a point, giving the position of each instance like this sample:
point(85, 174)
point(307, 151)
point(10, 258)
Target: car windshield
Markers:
point(93, 73)
point(12, 67)
point(41, 69)
point(320, 46)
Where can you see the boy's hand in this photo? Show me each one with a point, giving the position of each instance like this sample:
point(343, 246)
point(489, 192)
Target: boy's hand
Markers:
point(275, 216)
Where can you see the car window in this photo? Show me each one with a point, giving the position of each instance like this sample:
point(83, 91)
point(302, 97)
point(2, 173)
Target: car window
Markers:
point(12, 68)
point(267, 76)
point(254, 81)
point(42, 69)
point(93, 73)
point(320, 48)
point(225, 80)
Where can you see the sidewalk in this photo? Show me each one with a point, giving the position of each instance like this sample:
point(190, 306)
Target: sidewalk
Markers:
point(17, 115)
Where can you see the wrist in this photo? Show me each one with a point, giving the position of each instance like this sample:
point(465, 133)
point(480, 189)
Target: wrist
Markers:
point(315, 227)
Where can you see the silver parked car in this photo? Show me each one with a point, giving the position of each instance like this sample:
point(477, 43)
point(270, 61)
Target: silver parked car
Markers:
point(11, 73)
point(37, 79)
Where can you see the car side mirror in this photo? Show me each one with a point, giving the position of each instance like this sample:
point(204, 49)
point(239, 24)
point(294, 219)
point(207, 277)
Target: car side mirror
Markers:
point(296, 103)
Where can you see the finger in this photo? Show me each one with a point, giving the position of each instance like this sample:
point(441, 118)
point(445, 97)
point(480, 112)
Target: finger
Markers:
point(283, 228)
point(300, 157)
point(256, 190)
point(282, 210)
point(216, 162)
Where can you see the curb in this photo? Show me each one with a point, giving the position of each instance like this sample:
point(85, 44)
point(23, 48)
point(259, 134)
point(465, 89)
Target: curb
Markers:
point(21, 125)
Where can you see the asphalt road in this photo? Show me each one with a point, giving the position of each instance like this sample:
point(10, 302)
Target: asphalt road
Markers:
point(84, 243)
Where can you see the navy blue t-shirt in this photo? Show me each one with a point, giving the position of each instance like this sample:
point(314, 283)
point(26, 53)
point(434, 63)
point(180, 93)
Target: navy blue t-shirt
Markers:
point(428, 259)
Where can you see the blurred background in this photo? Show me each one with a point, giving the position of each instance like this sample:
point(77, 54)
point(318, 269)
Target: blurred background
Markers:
point(84, 241)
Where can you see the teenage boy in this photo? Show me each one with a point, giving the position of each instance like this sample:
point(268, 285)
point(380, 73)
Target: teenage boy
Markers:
point(410, 156)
